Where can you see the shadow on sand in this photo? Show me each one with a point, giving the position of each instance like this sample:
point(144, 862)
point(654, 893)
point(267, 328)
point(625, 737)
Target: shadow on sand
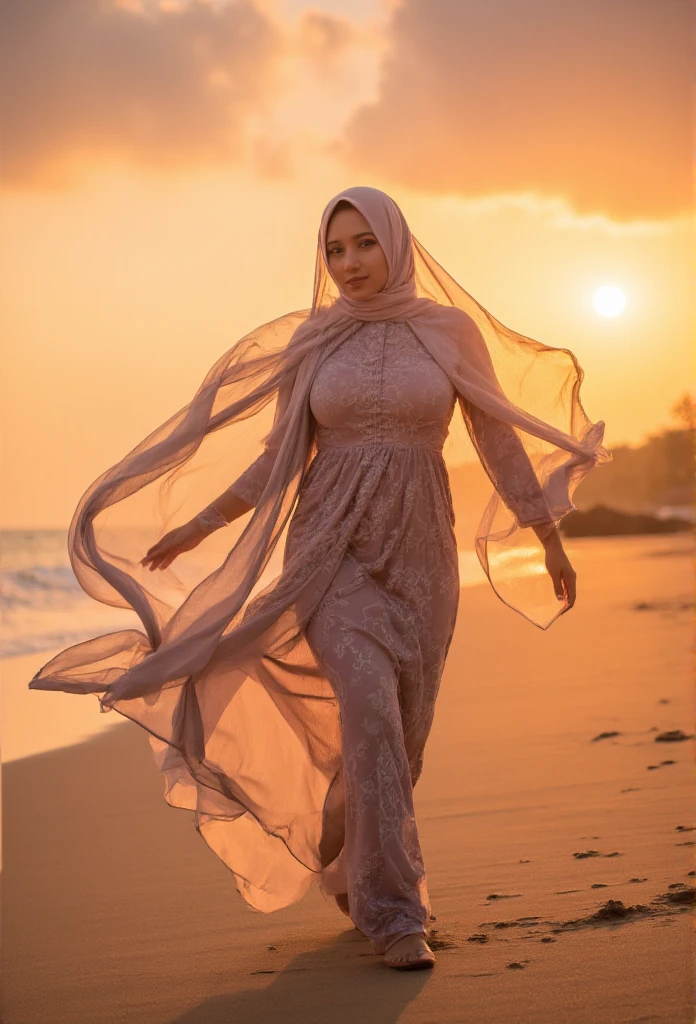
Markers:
point(338, 983)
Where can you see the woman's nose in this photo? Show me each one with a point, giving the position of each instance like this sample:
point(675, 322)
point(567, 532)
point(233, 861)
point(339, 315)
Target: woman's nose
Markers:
point(352, 260)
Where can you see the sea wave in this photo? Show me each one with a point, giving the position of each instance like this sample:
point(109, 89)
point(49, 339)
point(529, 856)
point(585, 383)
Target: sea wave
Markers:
point(38, 585)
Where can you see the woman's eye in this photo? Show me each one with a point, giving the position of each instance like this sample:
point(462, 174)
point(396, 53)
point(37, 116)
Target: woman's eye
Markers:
point(366, 241)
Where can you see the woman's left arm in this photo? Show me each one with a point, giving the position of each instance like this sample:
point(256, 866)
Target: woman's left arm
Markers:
point(558, 564)
point(507, 463)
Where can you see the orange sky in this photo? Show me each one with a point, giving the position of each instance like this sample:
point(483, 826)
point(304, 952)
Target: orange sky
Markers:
point(161, 160)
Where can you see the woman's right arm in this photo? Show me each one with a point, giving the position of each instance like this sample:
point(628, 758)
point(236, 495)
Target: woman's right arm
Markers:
point(245, 492)
point(241, 496)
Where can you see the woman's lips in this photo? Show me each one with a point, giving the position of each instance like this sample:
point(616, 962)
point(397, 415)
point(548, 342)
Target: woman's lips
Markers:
point(356, 282)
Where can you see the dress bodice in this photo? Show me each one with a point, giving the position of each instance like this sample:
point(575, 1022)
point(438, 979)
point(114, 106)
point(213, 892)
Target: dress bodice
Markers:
point(379, 389)
point(380, 386)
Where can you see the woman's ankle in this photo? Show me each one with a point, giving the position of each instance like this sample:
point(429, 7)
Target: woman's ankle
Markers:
point(392, 940)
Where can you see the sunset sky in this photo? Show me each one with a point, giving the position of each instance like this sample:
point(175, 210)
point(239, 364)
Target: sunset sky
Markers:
point(166, 164)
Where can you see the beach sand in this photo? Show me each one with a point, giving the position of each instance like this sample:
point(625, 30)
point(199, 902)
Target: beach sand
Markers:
point(114, 910)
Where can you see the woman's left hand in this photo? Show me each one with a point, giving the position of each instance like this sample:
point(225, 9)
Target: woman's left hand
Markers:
point(560, 570)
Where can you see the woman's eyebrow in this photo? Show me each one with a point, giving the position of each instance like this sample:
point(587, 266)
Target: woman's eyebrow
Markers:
point(360, 235)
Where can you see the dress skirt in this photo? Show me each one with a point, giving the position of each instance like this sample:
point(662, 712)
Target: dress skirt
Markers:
point(381, 634)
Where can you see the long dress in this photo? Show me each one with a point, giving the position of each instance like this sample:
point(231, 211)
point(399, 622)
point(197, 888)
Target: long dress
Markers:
point(295, 727)
point(382, 628)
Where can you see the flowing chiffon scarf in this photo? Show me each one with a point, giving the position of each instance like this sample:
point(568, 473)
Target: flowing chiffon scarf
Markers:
point(193, 622)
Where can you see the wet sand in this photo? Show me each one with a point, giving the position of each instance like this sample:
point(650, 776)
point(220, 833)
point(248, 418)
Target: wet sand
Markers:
point(559, 862)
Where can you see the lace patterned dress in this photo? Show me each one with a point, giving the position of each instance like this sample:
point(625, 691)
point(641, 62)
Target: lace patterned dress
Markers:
point(383, 627)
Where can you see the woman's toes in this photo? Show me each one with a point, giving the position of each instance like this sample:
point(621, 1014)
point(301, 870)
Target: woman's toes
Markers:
point(410, 951)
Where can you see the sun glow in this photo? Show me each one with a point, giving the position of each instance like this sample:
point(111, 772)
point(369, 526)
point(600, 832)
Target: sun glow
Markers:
point(609, 300)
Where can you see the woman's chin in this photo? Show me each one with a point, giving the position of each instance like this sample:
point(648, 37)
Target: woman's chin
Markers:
point(360, 293)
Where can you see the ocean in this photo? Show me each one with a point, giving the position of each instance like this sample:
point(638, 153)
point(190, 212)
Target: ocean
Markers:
point(43, 607)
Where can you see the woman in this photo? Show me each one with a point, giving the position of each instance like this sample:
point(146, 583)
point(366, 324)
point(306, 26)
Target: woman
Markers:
point(293, 719)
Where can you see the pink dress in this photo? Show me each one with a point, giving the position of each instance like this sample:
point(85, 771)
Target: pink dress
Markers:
point(298, 741)
point(382, 629)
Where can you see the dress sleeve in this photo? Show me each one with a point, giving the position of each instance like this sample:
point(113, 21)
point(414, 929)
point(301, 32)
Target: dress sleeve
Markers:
point(496, 441)
point(252, 482)
point(506, 462)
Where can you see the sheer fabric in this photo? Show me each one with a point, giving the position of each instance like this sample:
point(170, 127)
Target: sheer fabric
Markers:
point(292, 717)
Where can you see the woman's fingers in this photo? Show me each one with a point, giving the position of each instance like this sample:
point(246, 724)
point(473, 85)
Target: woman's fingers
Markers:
point(152, 552)
point(570, 585)
point(152, 560)
point(159, 553)
point(563, 578)
point(158, 564)
point(557, 580)
point(162, 554)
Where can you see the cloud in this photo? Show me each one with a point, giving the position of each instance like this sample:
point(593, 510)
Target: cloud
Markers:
point(588, 100)
point(164, 85)
point(323, 37)
point(272, 158)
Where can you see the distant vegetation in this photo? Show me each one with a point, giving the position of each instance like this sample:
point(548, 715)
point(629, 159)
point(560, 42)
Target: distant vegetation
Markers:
point(601, 521)
point(651, 476)
point(619, 497)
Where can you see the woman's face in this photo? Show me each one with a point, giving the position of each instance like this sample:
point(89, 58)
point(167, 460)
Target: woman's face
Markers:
point(355, 257)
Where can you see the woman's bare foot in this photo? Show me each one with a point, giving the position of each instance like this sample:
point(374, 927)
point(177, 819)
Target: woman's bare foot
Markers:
point(410, 953)
point(342, 901)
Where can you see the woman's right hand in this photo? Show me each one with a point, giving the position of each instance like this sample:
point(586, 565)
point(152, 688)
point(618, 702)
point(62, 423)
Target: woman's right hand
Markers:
point(183, 538)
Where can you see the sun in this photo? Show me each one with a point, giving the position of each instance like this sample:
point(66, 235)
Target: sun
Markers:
point(609, 300)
